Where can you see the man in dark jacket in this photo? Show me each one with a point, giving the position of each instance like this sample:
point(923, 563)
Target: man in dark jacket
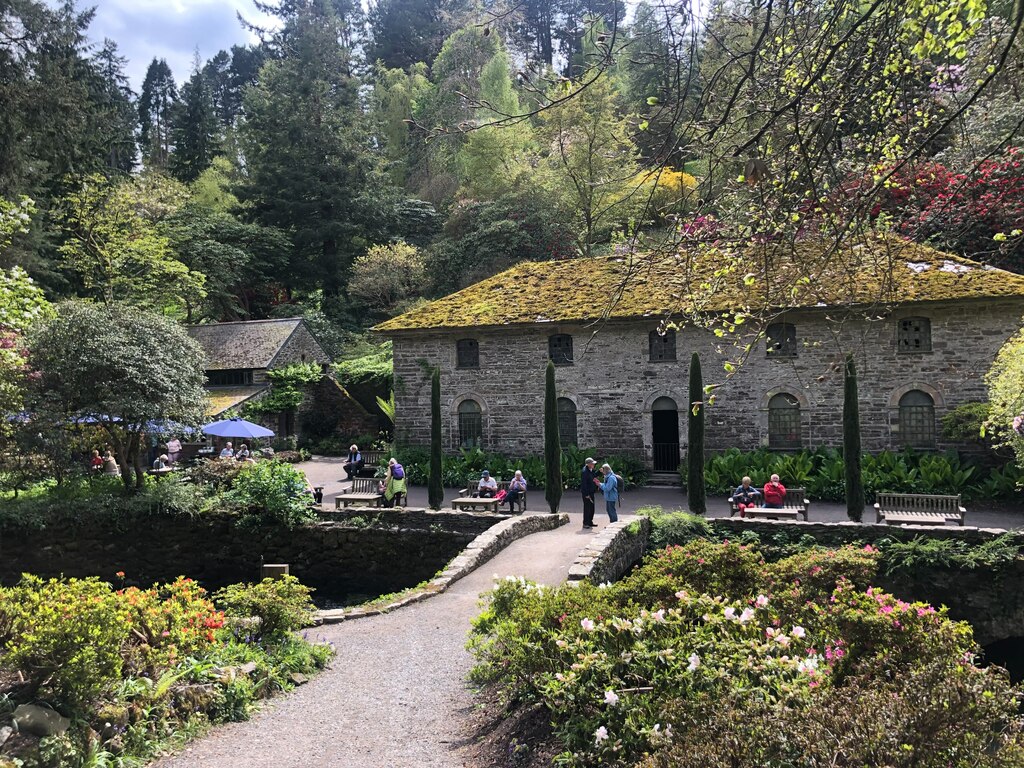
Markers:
point(588, 488)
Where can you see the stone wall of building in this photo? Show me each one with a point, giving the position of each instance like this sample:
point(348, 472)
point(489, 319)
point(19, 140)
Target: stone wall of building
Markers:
point(301, 347)
point(614, 384)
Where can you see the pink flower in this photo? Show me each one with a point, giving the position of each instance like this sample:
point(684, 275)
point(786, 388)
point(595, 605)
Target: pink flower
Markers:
point(799, 632)
point(601, 734)
point(730, 613)
point(746, 616)
point(588, 625)
point(761, 601)
point(694, 662)
point(611, 698)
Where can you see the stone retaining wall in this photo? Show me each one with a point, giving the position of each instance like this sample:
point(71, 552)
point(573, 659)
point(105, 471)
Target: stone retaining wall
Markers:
point(480, 550)
point(847, 531)
point(419, 519)
point(612, 552)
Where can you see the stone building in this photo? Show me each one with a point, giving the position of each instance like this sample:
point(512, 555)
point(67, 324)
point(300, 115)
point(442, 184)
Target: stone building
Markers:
point(238, 356)
point(923, 326)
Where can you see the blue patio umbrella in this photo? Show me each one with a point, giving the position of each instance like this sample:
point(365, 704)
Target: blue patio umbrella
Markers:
point(236, 428)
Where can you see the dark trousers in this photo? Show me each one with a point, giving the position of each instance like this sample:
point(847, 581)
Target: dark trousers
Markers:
point(588, 510)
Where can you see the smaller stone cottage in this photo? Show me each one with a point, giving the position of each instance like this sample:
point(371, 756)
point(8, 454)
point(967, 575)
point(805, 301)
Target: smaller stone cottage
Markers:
point(239, 355)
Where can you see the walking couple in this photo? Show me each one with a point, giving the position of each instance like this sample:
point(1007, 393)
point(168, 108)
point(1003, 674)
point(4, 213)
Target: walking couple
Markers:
point(610, 485)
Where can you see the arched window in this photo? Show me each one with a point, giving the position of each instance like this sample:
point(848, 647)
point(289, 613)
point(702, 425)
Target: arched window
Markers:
point(471, 425)
point(662, 346)
point(781, 341)
point(914, 334)
point(560, 349)
point(567, 434)
point(784, 422)
point(917, 420)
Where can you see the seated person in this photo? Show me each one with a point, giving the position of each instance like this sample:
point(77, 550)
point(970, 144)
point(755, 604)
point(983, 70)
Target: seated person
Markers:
point(227, 452)
point(774, 493)
point(161, 462)
point(745, 496)
point(96, 463)
point(353, 463)
point(242, 454)
point(516, 488)
point(487, 488)
point(110, 464)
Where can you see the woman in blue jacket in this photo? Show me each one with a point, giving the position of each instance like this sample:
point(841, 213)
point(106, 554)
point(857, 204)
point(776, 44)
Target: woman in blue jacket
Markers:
point(610, 488)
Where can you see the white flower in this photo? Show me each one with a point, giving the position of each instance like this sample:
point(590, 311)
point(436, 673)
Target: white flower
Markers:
point(761, 601)
point(782, 640)
point(808, 665)
point(747, 615)
point(798, 632)
point(694, 662)
point(611, 698)
point(604, 585)
point(601, 734)
point(561, 643)
point(588, 625)
point(659, 615)
point(682, 594)
point(730, 613)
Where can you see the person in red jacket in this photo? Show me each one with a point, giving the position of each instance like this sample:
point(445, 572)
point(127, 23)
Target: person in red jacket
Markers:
point(774, 493)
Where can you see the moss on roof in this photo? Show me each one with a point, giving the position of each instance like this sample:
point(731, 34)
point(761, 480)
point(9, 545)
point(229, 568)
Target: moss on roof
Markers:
point(222, 399)
point(874, 271)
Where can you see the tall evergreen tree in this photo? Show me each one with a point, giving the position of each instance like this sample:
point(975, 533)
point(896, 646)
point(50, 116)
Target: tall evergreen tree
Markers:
point(195, 129)
point(405, 32)
point(435, 489)
point(157, 104)
point(851, 443)
point(116, 115)
point(695, 441)
point(552, 446)
point(312, 168)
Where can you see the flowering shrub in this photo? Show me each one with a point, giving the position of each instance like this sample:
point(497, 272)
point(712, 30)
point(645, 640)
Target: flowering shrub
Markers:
point(271, 492)
point(729, 665)
point(281, 606)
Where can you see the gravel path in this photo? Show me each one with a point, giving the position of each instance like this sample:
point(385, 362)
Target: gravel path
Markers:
point(396, 695)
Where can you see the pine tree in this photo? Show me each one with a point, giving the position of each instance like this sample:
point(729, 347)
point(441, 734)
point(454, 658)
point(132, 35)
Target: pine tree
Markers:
point(851, 443)
point(695, 440)
point(405, 32)
point(312, 168)
point(157, 103)
point(552, 446)
point(435, 489)
point(195, 129)
point(117, 117)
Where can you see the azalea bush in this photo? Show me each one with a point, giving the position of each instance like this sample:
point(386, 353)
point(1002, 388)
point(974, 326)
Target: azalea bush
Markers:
point(280, 606)
point(136, 668)
point(709, 655)
point(271, 492)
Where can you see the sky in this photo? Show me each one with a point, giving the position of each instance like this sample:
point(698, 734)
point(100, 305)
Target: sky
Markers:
point(169, 29)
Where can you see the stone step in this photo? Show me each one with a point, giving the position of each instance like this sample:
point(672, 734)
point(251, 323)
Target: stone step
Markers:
point(664, 479)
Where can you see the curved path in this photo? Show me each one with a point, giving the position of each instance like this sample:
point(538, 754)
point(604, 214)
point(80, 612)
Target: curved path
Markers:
point(396, 694)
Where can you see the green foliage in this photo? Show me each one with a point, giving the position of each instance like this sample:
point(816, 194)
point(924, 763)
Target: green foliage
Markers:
point(851, 443)
point(822, 473)
point(552, 446)
point(707, 644)
point(280, 606)
point(435, 489)
point(287, 388)
point(386, 276)
point(922, 553)
point(966, 423)
point(217, 473)
point(695, 483)
point(675, 527)
point(271, 493)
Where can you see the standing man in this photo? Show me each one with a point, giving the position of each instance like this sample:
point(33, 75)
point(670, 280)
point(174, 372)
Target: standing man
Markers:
point(610, 489)
point(588, 489)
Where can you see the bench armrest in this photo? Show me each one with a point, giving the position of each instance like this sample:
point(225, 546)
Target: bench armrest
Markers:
point(963, 511)
point(877, 506)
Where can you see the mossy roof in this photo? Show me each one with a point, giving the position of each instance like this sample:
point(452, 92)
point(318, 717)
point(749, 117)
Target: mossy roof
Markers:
point(224, 398)
point(875, 271)
point(244, 344)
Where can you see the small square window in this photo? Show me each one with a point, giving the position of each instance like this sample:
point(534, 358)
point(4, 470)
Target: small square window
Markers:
point(662, 346)
point(914, 334)
point(781, 340)
point(560, 349)
point(467, 353)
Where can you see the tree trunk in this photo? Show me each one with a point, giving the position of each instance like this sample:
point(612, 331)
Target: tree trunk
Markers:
point(851, 443)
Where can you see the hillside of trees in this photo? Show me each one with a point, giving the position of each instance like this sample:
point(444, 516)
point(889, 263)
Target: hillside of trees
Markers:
point(352, 164)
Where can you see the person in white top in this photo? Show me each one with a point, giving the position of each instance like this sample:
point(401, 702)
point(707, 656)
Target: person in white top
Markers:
point(487, 487)
point(227, 451)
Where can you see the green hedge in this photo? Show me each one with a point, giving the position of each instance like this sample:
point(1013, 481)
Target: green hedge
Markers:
point(822, 473)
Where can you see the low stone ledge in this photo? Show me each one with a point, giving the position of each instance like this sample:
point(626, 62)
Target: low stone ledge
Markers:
point(416, 518)
point(477, 552)
point(612, 552)
point(843, 531)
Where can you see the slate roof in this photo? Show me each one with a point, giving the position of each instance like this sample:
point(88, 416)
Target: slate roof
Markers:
point(223, 398)
point(885, 270)
point(243, 344)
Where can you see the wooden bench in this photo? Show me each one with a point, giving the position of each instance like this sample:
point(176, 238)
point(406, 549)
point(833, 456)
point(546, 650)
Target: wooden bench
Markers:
point(371, 462)
point(366, 491)
point(918, 509)
point(473, 503)
point(795, 506)
point(471, 487)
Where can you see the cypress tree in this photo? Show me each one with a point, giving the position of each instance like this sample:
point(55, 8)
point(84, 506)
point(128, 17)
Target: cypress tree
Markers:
point(695, 440)
point(435, 490)
point(851, 443)
point(552, 447)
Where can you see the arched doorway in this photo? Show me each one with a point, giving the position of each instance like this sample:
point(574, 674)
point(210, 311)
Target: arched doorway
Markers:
point(665, 432)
